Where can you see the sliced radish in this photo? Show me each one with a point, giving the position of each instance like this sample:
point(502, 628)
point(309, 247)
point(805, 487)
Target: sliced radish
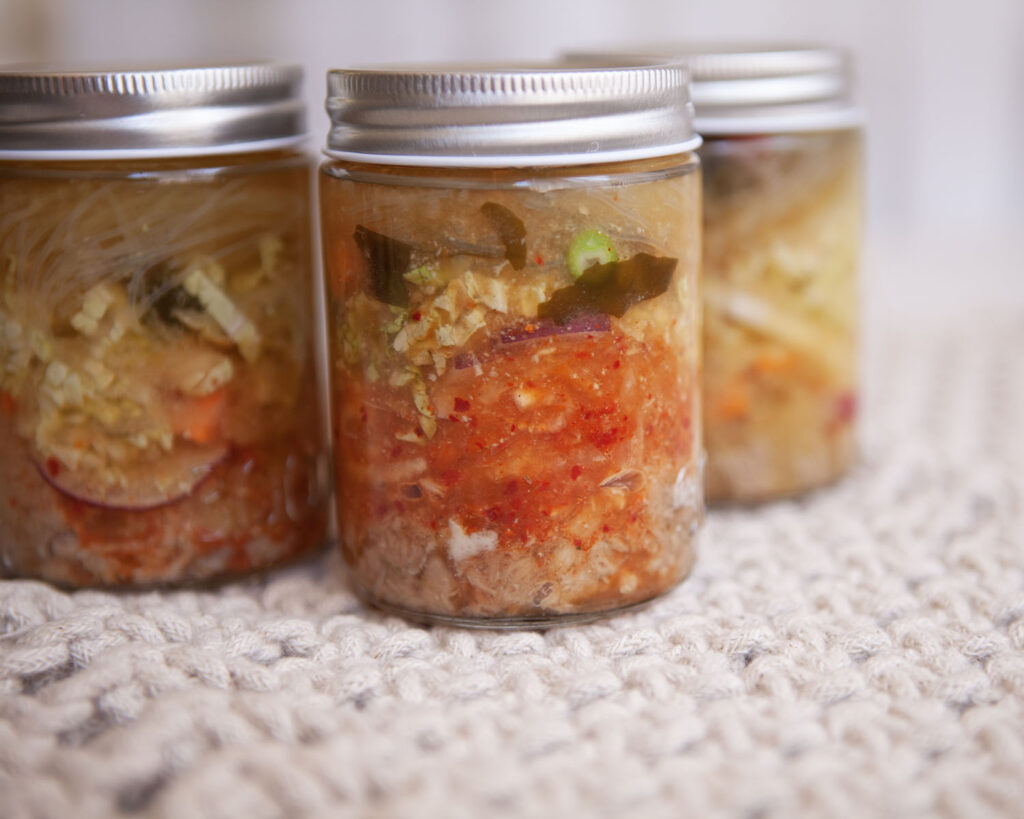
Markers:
point(163, 480)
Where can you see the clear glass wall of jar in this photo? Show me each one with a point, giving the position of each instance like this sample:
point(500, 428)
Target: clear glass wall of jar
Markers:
point(515, 354)
point(159, 412)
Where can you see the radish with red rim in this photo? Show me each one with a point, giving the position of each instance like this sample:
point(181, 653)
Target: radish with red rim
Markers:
point(146, 485)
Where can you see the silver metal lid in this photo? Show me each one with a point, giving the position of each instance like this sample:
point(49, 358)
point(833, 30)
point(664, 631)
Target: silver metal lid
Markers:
point(165, 112)
point(753, 88)
point(522, 116)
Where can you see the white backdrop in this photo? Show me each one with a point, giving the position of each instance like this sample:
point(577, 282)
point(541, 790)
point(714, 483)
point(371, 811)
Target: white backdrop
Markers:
point(942, 82)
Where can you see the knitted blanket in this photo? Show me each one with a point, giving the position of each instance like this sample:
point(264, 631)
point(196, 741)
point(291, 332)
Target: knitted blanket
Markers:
point(859, 652)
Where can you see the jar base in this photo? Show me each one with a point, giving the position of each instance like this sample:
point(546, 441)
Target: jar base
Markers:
point(724, 500)
point(537, 622)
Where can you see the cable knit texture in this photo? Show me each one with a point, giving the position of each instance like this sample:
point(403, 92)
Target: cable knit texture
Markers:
point(859, 652)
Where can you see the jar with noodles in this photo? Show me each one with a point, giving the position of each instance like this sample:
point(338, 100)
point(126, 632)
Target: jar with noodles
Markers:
point(782, 206)
point(782, 194)
point(158, 391)
point(514, 319)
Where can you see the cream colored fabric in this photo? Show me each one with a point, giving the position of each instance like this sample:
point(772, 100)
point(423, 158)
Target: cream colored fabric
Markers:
point(858, 653)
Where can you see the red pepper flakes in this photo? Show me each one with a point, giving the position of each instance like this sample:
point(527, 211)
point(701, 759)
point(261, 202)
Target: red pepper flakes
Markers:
point(416, 315)
point(467, 461)
point(461, 405)
point(603, 439)
point(52, 467)
point(617, 364)
point(538, 259)
point(846, 407)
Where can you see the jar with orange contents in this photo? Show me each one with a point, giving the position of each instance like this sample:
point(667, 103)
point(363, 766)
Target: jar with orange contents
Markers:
point(158, 395)
point(512, 258)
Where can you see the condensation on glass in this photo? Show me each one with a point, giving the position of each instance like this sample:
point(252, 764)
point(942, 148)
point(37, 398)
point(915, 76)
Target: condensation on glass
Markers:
point(159, 413)
point(513, 311)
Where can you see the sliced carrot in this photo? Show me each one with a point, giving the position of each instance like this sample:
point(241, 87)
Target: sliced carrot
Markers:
point(773, 360)
point(199, 419)
point(733, 402)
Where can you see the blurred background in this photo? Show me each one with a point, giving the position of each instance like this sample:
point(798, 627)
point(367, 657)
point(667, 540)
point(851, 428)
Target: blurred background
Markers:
point(942, 83)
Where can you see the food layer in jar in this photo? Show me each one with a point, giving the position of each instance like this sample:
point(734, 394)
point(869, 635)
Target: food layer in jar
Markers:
point(781, 224)
point(158, 401)
point(516, 407)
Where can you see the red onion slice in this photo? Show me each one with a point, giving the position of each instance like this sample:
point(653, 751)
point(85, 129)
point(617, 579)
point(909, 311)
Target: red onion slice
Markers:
point(588, 323)
point(540, 328)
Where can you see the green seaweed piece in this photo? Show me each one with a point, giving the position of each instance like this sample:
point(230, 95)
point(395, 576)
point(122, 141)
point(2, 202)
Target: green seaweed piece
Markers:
point(610, 288)
point(166, 300)
point(511, 231)
point(387, 260)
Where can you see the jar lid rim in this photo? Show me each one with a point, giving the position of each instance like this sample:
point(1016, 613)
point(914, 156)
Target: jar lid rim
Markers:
point(509, 115)
point(512, 161)
point(159, 111)
point(750, 79)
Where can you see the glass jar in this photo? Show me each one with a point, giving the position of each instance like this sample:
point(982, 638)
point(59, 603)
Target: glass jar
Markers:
point(514, 319)
point(159, 414)
point(782, 211)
